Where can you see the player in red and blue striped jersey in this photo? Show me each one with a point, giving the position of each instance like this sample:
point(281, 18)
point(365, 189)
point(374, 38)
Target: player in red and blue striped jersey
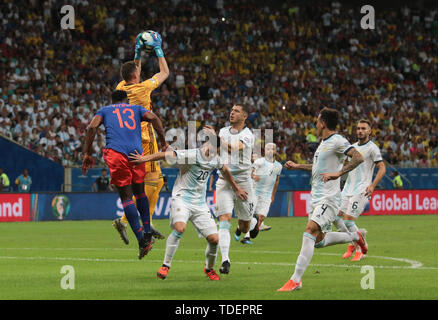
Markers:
point(123, 136)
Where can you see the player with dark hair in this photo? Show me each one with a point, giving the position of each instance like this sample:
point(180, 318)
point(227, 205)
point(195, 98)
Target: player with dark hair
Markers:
point(139, 93)
point(327, 168)
point(237, 142)
point(188, 199)
point(123, 136)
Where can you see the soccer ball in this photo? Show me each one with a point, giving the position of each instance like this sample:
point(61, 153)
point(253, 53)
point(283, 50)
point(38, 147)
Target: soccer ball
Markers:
point(149, 38)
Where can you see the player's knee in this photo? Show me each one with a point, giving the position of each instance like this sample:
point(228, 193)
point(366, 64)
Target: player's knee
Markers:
point(179, 227)
point(349, 223)
point(225, 217)
point(224, 224)
point(213, 239)
point(312, 229)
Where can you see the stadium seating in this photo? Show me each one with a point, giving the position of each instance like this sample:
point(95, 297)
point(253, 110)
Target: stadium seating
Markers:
point(52, 81)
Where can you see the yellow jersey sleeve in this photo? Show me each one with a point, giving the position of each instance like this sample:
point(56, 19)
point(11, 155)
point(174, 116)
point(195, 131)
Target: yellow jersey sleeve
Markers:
point(121, 85)
point(151, 84)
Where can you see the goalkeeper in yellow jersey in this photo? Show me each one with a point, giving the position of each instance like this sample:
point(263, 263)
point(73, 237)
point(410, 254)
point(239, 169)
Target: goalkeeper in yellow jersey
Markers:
point(139, 93)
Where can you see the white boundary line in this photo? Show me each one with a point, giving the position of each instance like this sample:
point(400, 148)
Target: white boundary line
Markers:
point(413, 264)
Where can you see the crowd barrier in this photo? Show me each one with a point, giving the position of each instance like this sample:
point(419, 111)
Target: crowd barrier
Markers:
point(107, 206)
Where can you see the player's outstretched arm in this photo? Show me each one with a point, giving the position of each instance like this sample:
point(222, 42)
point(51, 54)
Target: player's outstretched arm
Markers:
point(137, 158)
point(137, 50)
point(356, 159)
point(290, 165)
point(158, 126)
point(380, 174)
point(87, 161)
point(162, 63)
point(242, 194)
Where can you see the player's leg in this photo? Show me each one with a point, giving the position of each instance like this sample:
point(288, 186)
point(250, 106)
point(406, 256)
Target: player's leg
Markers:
point(179, 215)
point(142, 203)
point(224, 241)
point(153, 183)
point(206, 227)
point(261, 211)
point(131, 213)
point(324, 215)
point(341, 226)
point(310, 236)
point(263, 226)
point(244, 211)
point(138, 177)
point(317, 235)
point(152, 189)
point(224, 208)
point(356, 207)
point(210, 256)
point(172, 244)
point(145, 241)
point(248, 235)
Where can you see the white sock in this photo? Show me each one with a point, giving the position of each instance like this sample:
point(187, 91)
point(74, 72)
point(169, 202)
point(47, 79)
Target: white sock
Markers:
point(172, 243)
point(224, 239)
point(332, 238)
point(210, 255)
point(340, 224)
point(247, 235)
point(351, 225)
point(306, 254)
point(253, 223)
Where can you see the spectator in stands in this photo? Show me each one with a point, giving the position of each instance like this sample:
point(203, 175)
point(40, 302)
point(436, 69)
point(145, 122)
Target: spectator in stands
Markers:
point(4, 181)
point(397, 182)
point(102, 184)
point(24, 181)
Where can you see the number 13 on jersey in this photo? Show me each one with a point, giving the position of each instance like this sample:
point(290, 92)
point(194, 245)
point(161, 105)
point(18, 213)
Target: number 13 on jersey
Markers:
point(130, 126)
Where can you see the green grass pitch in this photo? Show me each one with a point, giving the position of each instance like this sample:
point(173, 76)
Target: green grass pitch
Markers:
point(402, 250)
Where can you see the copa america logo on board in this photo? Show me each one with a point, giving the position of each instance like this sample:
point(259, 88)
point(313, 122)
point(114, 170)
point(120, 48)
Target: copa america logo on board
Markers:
point(60, 206)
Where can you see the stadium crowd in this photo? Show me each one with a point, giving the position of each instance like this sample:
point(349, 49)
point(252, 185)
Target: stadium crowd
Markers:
point(285, 62)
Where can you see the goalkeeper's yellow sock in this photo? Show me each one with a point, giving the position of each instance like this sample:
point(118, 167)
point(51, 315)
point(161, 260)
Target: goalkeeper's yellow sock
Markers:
point(152, 192)
point(124, 220)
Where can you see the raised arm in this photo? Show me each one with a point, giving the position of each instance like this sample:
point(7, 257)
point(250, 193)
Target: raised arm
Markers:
point(164, 70)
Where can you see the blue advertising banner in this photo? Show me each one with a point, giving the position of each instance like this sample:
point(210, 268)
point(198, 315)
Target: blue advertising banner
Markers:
point(107, 206)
